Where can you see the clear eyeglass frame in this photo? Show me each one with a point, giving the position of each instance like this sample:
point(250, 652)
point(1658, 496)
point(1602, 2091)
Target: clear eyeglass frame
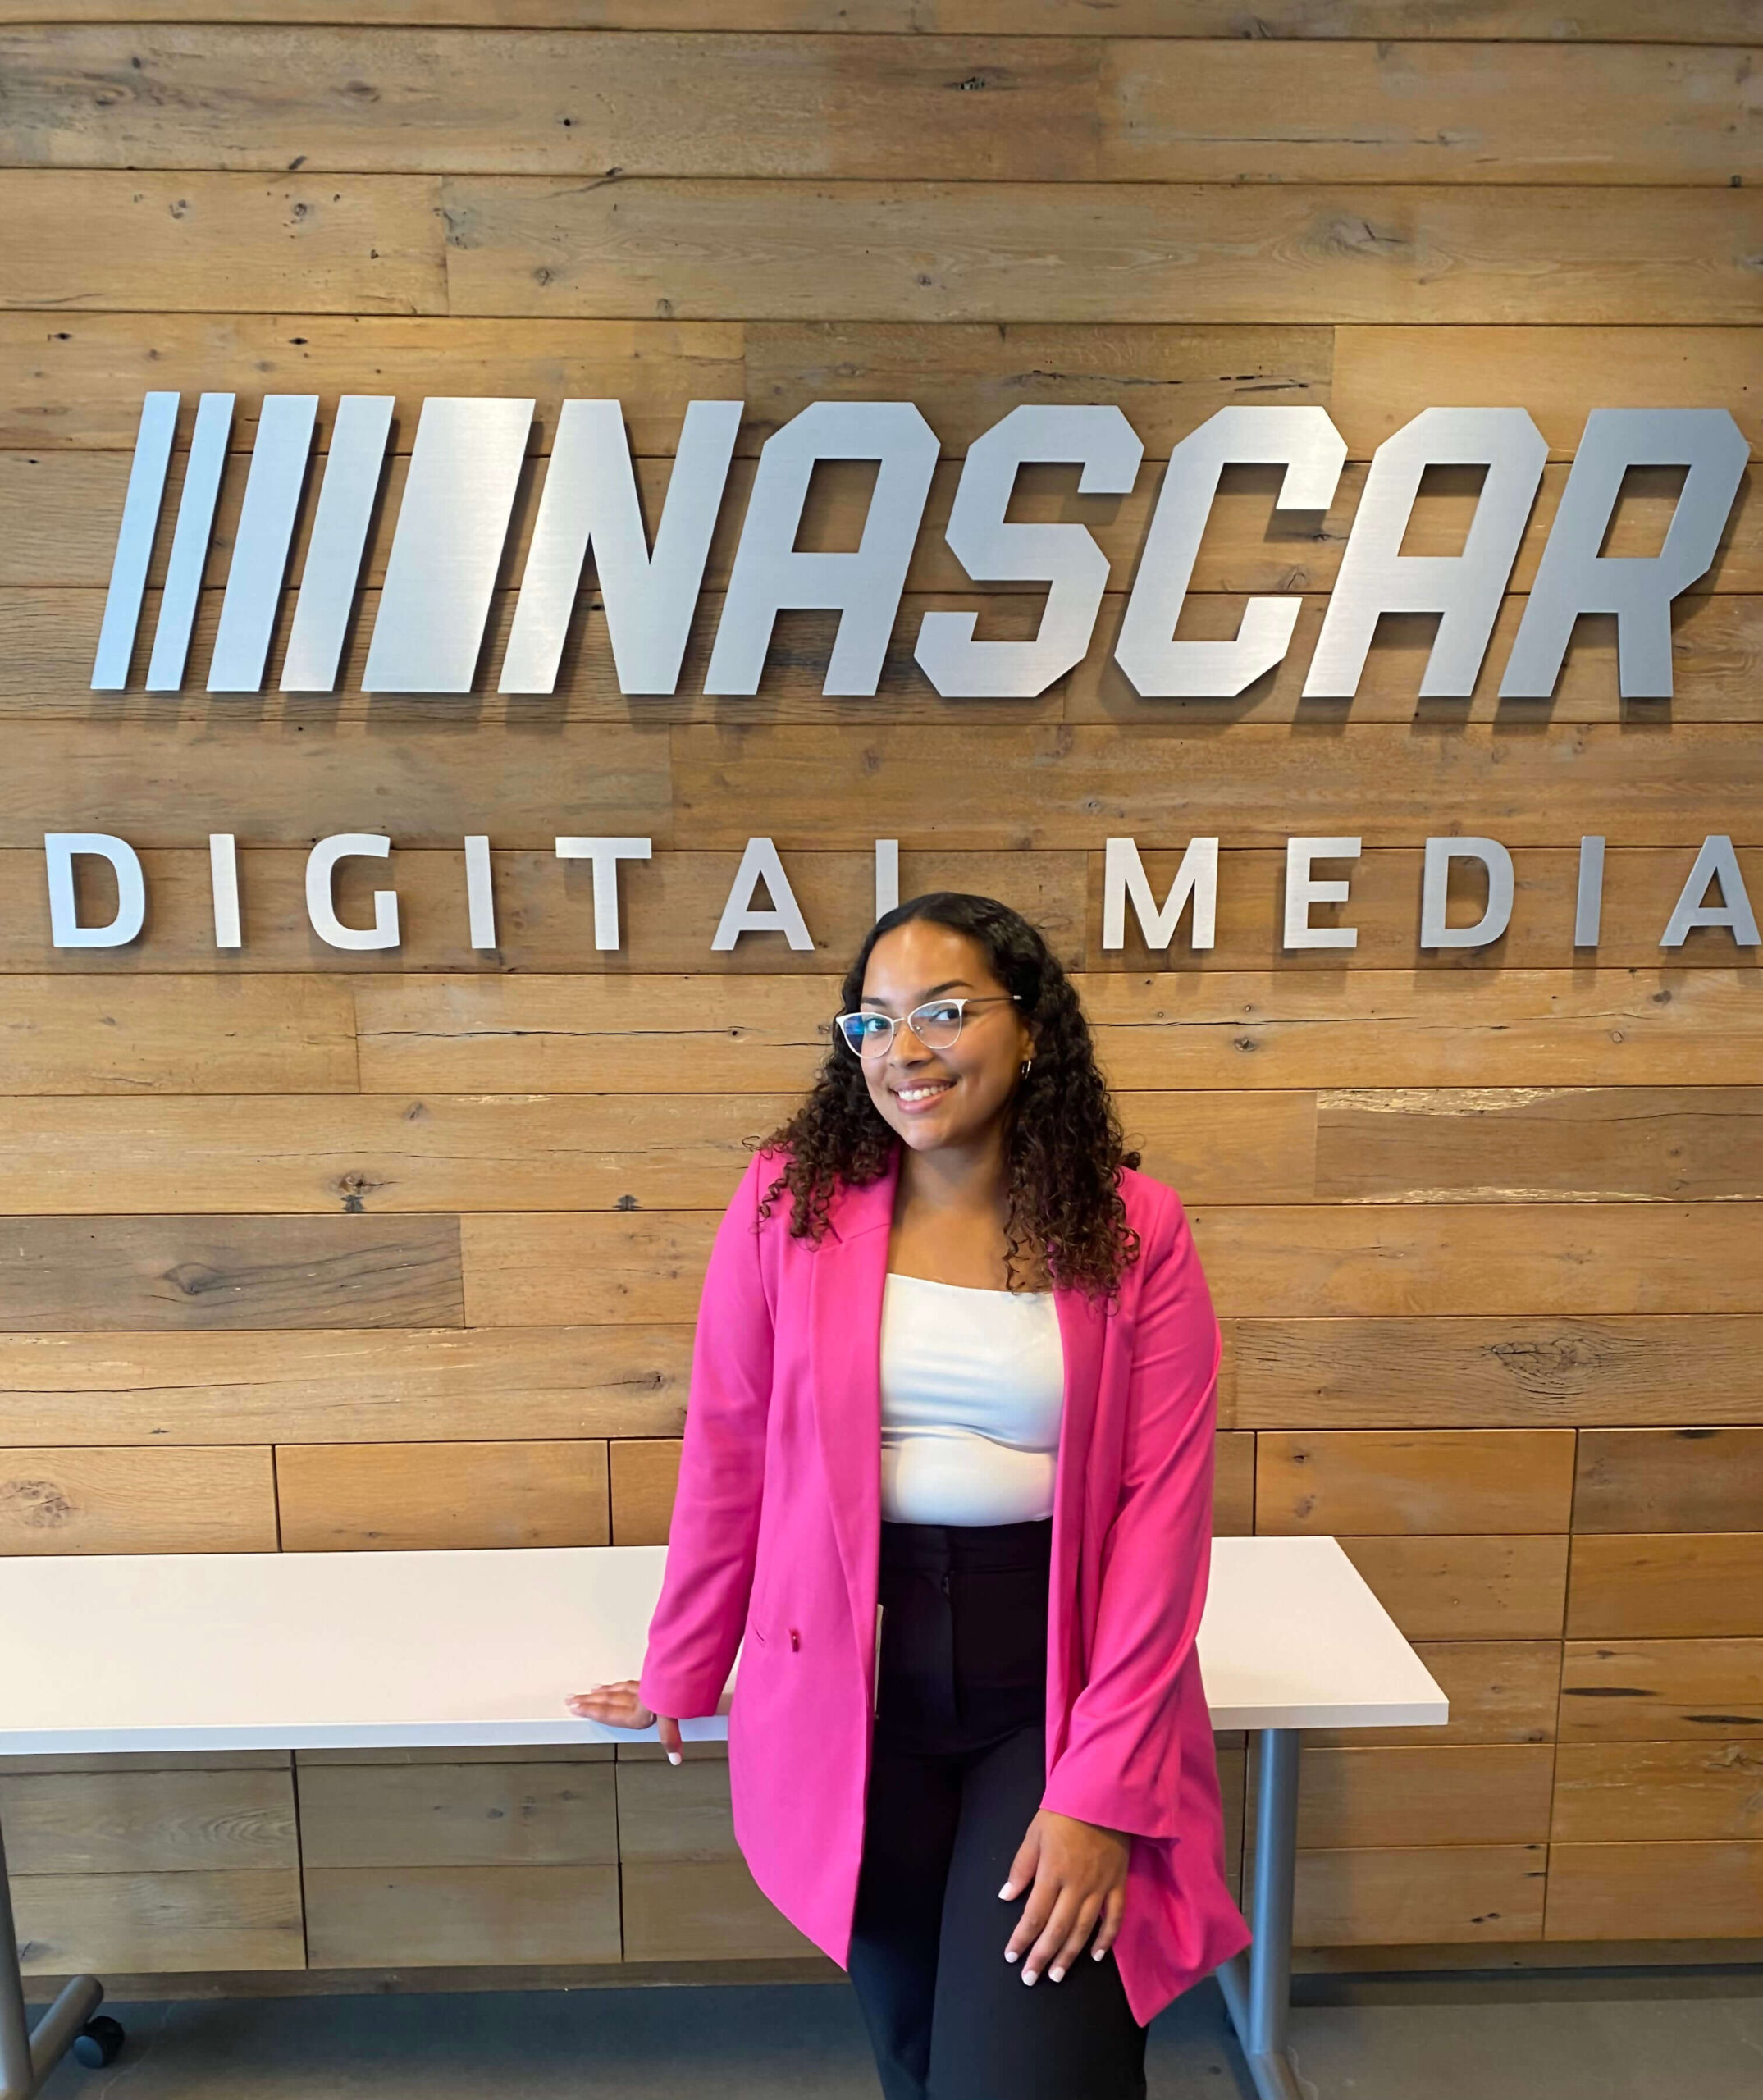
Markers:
point(868, 1035)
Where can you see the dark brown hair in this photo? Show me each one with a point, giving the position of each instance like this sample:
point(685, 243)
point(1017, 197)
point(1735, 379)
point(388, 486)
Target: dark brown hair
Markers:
point(1064, 1149)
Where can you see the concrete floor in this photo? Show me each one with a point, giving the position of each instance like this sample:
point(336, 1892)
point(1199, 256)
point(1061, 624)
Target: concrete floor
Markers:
point(1651, 2036)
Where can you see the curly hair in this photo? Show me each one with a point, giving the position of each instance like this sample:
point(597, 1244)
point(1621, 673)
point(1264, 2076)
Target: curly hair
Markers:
point(1063, 1150)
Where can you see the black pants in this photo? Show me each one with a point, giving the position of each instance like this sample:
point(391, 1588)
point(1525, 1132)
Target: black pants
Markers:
point(957, 1775)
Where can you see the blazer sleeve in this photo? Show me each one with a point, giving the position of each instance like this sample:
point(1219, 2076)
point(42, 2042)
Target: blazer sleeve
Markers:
point(714, 1535)
point(1120, 1764)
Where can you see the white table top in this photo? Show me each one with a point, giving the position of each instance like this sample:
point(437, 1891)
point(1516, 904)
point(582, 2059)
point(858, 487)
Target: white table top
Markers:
point(129, 1652)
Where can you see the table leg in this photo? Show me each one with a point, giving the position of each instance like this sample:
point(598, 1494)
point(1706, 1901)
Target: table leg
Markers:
point(26, 2058)
point(1257, 1985)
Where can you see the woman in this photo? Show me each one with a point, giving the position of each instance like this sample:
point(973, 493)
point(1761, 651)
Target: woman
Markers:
point(948, 1466)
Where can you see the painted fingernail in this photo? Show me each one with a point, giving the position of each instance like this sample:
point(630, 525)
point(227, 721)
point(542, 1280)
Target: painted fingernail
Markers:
point(1056, 1974)
point(1028, 1975)
point(672, 1757)
point(1008, 1954)
point(1096, 1953)
point(1008, 1890)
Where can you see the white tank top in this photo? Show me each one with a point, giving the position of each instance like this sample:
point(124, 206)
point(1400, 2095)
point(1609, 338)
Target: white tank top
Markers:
point(972, 1390)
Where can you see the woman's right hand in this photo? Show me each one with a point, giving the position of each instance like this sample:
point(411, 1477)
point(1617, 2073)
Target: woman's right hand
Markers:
point(616, 1705)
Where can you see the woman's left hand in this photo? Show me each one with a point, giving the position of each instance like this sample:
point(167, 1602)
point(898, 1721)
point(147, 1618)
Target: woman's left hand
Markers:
point(1079, 1873)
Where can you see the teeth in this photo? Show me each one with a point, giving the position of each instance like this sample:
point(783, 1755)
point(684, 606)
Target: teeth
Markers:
point(924, 1092)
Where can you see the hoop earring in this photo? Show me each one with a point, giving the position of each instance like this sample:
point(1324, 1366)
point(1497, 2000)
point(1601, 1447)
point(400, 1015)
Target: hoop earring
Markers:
point(1024, 1068)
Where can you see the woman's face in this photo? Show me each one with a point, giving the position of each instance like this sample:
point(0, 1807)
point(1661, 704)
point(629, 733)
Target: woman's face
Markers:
point(950, 1097)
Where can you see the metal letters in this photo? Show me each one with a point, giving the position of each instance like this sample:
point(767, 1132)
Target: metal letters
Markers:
point(1312, 452)
point(864, 587)
point(591, 495)
point(1064, 556)
point(339, 534)
point(1717, 861)
point(1436, 885)
point(190, 542)
point(1123, 881)
point(1376, 578)
point(134, 542)
point(1575, 577)
point(458, 498)
point(266, 533)
point(465, 470)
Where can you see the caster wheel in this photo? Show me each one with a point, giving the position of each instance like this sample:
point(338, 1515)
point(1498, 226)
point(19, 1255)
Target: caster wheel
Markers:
point(98, 2041)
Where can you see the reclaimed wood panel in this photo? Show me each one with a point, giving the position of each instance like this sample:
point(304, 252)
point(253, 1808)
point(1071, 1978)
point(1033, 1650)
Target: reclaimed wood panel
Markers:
point(1635, 1586)
point(1463, 1794)
point(1501, 1692)
point(1653, 1691)
point(70, 1275)
point(1715, 21)
point(1053, 787)
point(1297, 112)
point(443, 1917)
point(609, 1035)
point(590, 1753)
point(385, 1152)
point(983, 251)
point(174, 785)
point(1432, 1480)
point(343, 1385)
point(1467, 1589)
point(1658, 1792)
point(1394, 1370)
point(189, 1498)
point(521, 1152)
point(1233, 1498)
point(522, 102)
point(196, 240)
point(195, 1920)
point(67, 1034)
point(1697, 1144)
point(1383, 378)
point(1442, 1894)
point(1670, 1480)
point(1038, 109)
point(76, 379)
point(549, 1268)
point(702, 1910)
point(1285, 1260)
point(689, 1894)
point(464, 1814)
point(128, 1822)
point(645, 1472)
point(1705, 1891)
point(1239, 1030)
point(152, 1760)
point(334, 1498)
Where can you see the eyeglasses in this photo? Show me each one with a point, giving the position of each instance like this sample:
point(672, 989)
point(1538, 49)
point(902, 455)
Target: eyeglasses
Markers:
point(937, 1023)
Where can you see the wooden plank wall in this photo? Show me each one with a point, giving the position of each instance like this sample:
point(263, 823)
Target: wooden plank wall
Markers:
point(318, 1250)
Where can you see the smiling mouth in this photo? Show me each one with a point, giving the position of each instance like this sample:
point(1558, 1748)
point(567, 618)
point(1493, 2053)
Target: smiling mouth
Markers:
point(922, 1095)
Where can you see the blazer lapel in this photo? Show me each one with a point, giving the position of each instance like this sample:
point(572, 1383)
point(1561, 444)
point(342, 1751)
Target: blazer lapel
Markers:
point(846, 1276)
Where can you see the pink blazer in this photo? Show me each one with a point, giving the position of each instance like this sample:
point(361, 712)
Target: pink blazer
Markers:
point(776, 1534)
